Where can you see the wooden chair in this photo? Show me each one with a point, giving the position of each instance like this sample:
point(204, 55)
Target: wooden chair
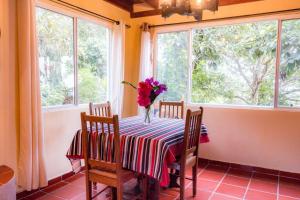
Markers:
point(189, 155)
point(100, 109)
point(170, 109)
point(103, 168)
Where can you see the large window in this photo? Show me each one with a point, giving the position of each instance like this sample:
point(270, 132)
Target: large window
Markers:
point(289, 79)
point(232, 64)
point(73, 59)
point(173, 64)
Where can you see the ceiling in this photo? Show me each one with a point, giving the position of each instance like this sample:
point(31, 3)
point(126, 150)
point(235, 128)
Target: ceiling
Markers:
point(142, 8)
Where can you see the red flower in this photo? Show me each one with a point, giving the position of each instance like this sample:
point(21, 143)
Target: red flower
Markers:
point(144, 91)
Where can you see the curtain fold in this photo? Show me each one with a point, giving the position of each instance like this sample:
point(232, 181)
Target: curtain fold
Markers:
point(146, 68)
point(31, 165)
point(116, 68)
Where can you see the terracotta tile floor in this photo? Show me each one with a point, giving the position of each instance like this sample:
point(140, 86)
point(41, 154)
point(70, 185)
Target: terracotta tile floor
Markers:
point(214, 183)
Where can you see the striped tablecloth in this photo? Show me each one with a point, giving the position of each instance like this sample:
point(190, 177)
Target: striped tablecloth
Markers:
point(144, 148)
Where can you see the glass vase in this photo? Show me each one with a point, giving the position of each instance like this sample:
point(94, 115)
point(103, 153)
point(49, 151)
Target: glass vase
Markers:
point(148, 115)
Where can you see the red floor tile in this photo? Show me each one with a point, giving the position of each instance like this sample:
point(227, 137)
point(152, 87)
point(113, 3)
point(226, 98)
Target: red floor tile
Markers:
point(286, 198)
point(231, 190)
point(68, 191)
point(222, 197)
point(49, 197)
point(237, 181)
point(36, 195)
point(264, 186)
point(258, 195)
point(166, 197)
point(206, 185)
point(291, 191)
point(211, 175)
point(200, 195)
point(233, 186)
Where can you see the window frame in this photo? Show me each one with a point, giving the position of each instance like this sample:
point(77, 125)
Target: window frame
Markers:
point(75, 15)
point(280, 18)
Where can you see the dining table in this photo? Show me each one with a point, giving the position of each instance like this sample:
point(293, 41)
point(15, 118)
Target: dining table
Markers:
point(146, 149)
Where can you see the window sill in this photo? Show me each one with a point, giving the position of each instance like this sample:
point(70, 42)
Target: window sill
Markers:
point(64, 108)
point(245, 107)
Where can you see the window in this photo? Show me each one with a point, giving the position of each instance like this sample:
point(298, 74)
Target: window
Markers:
point(64, 79)
point(172, 65)
point(93, 47)
point(289, 79)
point(232, 64)
point(56, 57)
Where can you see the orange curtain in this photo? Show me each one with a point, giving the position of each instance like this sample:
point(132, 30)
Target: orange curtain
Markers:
point(31, 165)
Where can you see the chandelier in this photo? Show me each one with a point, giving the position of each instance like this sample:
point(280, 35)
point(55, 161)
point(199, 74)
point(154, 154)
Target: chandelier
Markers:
point(188, 7)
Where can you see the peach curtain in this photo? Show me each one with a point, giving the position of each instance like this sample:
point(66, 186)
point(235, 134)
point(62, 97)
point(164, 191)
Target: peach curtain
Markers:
point(31, 166)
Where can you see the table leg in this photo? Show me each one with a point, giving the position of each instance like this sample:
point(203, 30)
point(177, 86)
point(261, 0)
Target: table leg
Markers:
point(145, 187)
point(157, 189)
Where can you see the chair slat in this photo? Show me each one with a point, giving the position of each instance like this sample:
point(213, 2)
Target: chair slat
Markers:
point(167, 109)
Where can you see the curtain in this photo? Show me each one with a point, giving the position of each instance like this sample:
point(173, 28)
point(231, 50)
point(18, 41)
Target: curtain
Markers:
point(31, 165)
point(146, 69)
point(116, 69)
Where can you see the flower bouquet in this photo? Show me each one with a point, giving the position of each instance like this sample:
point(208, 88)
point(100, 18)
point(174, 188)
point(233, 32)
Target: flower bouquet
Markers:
point(148, 90)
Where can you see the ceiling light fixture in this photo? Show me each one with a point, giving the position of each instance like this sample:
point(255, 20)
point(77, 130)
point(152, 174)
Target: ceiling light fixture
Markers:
point(188, 7)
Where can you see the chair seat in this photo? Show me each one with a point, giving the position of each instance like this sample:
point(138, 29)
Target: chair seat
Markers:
point(110, 178)
point(190, 161)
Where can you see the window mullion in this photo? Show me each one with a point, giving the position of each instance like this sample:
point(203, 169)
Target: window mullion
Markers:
point(277, 70)
point(190, 68)
point(75, 47)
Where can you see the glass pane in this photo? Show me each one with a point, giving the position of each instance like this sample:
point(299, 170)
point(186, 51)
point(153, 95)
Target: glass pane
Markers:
point(172, 64)
point(93, 49)
point(235, 64)
point(56, 62)
point(289, 82)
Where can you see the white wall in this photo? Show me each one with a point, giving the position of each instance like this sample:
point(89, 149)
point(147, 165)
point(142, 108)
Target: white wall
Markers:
point(60, 127)
point(256, 137)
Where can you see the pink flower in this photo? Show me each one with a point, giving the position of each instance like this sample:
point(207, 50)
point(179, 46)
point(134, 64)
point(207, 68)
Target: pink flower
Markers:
point(144, 91)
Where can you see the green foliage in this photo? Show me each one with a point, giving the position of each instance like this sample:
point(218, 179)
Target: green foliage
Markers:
point(56, 59)
point(173, 64)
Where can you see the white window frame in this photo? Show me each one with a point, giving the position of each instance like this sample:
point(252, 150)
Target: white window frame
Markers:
point(189, 27)
point(75, 15)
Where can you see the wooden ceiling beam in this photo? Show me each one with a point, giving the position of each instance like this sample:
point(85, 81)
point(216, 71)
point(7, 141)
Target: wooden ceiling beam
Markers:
point(153, 3)
point(124, 4)
point(128, 5)
point(158, 11)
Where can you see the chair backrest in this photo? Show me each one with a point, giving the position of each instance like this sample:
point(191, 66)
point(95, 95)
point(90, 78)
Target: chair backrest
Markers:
point(171, 109)
point(191, 135)
point(101, 142)
point(100, 109)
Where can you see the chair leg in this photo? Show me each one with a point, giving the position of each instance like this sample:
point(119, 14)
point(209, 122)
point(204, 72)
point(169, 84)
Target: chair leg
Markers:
point(88, 189)
point(119, 193)
point(195, 169)
point(114, 193)
point(182, 186)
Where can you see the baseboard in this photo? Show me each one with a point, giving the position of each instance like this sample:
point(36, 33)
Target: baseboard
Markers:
point(203, 161)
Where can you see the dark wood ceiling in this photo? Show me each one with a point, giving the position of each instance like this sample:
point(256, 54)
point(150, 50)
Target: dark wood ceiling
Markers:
point(154, 5)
